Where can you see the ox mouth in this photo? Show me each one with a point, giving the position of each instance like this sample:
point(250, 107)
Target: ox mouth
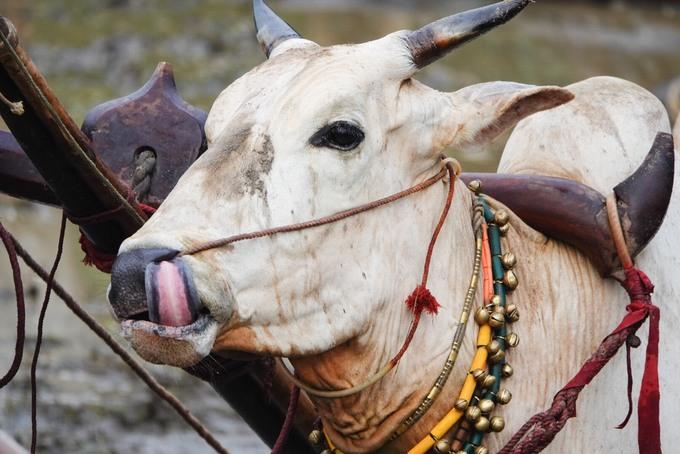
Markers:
point(177, 329)
point(171, 296)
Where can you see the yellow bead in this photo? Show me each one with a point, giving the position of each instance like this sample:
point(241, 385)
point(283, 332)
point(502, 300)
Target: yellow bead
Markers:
point(481, 450)
point(482, 316)
point(315, 437)
point(493, 347)
point(473, 413)
point(503, 397)
point(461, 404)
point(510, 280)
point(482, 424)
point(497, 424)
point(475, 186)
point(498, 357)
point(489, 381)
point(486, 405)
point(442, 447)
point(496, 320)
point(501, 217)
point(509, 260)
point(513, 340)
point(507, 370)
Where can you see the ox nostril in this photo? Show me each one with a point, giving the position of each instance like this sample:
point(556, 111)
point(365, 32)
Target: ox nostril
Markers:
point(127, 294)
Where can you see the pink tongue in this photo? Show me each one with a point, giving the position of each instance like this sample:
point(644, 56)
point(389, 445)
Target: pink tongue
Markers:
point(173, 306)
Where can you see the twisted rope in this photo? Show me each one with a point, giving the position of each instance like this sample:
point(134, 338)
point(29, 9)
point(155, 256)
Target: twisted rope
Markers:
point(14, 249)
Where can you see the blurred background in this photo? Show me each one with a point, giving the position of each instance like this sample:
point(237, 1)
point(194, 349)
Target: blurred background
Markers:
point(91, 51)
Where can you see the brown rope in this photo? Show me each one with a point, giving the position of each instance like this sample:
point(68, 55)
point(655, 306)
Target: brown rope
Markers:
point(136, 367)
point(8, 241)
point(317, 222)
point(39, 338)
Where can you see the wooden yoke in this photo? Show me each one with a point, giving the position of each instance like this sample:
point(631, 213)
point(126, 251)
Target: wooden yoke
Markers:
point(576, 214)
point(60, 151)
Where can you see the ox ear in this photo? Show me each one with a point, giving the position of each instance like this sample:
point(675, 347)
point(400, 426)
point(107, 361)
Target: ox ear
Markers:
point(482, 112)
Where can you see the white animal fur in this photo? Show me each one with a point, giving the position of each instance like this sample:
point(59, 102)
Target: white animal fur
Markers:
point(333, 297)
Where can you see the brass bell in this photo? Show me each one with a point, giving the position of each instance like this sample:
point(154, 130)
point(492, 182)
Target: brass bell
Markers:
point(486, 405)
point(475, 186)
point(482, 424)
point(489, 381)
point(510, 280)
point(499, 310)
point(504, 229)
point(461, 404)
point(442, 447)
point(482, 316)
point(481, 450)
point(493, 347)
point(508, 260)
point(498, 357)
point(501, 218)
point(503, 397)
point(315, 437)
point(507, 370)
point(513, 338)
point(512, 313)
point(473, 413)
point(495, 300)
point(496, 320)
point(497, 424)
point(479, 375)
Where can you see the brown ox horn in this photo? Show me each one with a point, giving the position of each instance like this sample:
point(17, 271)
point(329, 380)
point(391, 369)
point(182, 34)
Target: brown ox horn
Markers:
point(271, 29)
point(437, 39)
point(576, 214)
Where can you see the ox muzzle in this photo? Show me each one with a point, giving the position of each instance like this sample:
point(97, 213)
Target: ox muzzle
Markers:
point(154, 285)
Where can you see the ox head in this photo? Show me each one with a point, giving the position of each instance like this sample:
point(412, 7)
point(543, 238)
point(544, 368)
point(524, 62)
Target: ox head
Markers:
point(311, 131)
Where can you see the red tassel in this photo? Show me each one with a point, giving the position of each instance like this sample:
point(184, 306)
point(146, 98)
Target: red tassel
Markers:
point(422, 300)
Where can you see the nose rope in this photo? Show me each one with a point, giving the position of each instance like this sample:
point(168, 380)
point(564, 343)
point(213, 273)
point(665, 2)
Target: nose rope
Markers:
point(448, 168)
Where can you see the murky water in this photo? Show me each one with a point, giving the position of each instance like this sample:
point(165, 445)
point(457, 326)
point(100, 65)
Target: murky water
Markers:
point(89, 53)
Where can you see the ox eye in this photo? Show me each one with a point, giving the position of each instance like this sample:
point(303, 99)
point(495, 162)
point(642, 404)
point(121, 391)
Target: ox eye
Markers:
point(341, 135)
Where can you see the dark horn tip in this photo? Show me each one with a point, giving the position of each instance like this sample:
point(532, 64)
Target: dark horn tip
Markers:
point(643, 198)
point(437, 39)
point(271, 29)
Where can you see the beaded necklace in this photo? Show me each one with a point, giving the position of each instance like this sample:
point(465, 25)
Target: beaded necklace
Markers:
point(481, 390)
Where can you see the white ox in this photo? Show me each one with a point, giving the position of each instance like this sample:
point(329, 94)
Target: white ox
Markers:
point(316, 130)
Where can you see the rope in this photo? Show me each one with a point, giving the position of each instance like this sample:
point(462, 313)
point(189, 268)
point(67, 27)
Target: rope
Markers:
point(8, 241)
point(17, 108)
point(316, 222)
point(145, 163)
point(541, 429)
point(16, 248)
point(39, 338)
point(288, 422)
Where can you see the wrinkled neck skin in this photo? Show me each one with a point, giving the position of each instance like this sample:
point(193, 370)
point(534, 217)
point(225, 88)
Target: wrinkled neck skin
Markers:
point(365, 421)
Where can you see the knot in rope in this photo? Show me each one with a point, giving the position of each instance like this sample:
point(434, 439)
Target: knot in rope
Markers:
point(422, 300)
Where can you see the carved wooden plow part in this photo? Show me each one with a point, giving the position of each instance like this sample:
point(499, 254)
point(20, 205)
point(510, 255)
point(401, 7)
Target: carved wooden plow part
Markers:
point(132, 151)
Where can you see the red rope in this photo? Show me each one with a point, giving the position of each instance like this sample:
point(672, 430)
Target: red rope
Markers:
point(38, 341)
point(103, 261)
point(542, 428)
point(288, 422)
point(21, 307)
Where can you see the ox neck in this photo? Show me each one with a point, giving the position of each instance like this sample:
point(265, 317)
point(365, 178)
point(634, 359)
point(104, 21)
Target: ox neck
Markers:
point(365, 421)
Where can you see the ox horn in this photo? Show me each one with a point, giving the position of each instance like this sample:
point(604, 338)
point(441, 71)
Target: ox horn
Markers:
point(271, 29)
point(437, 39)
